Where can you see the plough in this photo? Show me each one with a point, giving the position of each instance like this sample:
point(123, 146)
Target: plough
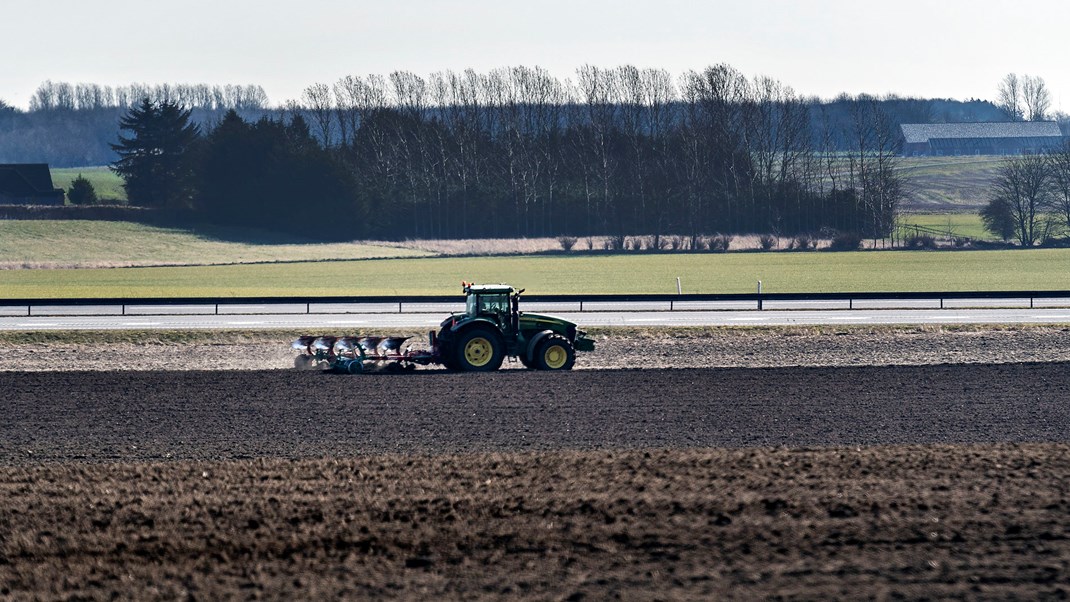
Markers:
point(354, 354)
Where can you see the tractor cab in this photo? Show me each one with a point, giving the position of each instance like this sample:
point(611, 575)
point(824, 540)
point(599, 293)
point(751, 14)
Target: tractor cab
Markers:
point(495, 302)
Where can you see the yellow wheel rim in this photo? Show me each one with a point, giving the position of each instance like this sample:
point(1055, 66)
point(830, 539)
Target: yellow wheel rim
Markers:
point(555, 357)
point(478, 352)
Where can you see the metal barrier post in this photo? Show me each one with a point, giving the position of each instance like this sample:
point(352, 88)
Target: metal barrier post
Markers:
point(759, 295)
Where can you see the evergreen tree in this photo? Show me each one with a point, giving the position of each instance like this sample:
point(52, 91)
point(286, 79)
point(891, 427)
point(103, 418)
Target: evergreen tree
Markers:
point(154, 160)
point(274, 175)
point(82, 192)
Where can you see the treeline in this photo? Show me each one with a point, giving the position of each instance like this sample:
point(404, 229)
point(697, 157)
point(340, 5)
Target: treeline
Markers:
point(517, 152)
point(60, 96)
point(72, 125)
point(513, 152)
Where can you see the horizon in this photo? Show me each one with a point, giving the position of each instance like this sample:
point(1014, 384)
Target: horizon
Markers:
point(952, 50)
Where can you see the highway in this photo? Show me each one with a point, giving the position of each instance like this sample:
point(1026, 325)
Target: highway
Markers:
point(326, 318)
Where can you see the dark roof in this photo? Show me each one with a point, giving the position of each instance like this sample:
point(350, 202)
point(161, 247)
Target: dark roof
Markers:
point(920, 133)
point(26, 179)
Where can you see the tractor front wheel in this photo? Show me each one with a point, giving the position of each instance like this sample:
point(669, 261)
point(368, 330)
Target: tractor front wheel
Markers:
point(478, 350)
point(555, 353)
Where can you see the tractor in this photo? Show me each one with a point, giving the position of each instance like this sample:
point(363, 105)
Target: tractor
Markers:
point(491, 329)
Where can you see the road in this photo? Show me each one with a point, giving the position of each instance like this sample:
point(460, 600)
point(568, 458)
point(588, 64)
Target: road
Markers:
point(966, 311)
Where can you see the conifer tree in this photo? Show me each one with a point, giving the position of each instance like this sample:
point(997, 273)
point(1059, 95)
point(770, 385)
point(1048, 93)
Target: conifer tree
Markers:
point(154, 158)
point(82, 192)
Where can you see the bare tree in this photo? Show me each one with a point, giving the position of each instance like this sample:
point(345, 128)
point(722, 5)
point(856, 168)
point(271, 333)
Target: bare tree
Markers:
point(317, 98)
point(1009, 97)
point(1023, 186)
point(1059, 163)
point(1036, 98)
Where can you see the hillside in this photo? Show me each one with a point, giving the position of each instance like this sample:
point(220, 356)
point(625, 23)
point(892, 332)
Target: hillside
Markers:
point(948, 184)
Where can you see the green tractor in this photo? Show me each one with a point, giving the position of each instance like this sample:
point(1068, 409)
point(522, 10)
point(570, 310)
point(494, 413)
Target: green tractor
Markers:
point(492, 328)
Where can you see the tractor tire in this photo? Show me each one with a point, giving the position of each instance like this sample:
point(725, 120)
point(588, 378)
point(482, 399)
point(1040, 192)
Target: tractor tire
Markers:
point(554, 353)
point(479, 350)
point(447, 351)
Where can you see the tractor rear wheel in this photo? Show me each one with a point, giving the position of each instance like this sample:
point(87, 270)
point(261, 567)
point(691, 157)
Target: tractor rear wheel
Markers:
point(479, 350)
point(555, 353)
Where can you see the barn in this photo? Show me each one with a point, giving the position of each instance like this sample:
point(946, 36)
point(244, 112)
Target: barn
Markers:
point(28, 184)
point(994, 138)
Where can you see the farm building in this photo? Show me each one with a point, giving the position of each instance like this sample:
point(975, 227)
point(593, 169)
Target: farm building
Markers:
point(996, 138)
point(28, 184)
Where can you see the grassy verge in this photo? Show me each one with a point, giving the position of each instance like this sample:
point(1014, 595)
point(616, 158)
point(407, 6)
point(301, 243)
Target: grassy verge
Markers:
point(1032, 269)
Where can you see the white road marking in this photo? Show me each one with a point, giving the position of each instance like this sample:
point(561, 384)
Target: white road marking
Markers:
point(1052, 317)
point(36, 324)
point(141, 323)
point(345, 322)
point(850, 318)
point(747, 319)
point(243, 323)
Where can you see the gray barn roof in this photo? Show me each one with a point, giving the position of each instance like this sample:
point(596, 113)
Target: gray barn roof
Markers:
point(920, 133)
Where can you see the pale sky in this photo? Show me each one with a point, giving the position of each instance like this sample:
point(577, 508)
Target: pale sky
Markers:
point(931, 48)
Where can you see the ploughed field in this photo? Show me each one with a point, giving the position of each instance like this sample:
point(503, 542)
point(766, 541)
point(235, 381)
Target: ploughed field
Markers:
point(881, 481)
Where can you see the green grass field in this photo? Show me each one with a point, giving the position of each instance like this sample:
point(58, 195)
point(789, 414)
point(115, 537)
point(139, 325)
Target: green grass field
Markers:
point(1039, 269)
point(84, 243)
point(962, 224)
point(109, 186)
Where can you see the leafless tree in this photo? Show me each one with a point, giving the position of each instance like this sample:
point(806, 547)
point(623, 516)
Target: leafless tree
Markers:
point(1024, 185)
point(1009, 97)
point(1059, 164)
point(1036, 98)
point(598, 91)
point(873, 165)
point(317, 98)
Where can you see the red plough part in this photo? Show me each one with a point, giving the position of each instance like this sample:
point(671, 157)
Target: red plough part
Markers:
point(354, 355)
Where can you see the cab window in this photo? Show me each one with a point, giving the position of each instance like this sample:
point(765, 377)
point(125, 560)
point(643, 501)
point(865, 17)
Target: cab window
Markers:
point(488, 304)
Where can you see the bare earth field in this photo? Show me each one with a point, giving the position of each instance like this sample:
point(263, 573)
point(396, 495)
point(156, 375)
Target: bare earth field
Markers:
point(935, 466)
point(639, 348)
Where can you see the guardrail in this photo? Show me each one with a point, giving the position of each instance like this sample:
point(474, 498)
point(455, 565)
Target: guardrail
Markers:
point(384, 301)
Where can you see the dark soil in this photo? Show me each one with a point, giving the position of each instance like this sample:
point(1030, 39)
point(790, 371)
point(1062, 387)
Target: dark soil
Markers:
point(866, 482)
point(233, 415)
